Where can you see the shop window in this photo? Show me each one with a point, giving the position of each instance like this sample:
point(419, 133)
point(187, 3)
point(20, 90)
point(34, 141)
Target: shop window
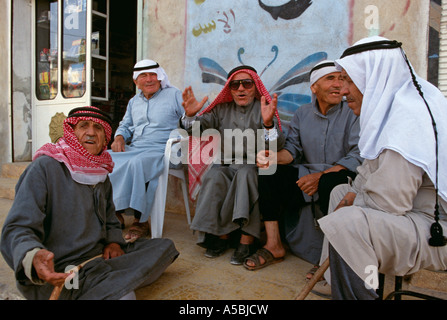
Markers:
point(46, 49)
point(74, 36)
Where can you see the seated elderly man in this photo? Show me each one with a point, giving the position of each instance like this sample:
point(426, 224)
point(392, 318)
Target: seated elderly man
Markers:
point(227, 201)
point(63, 215)
point(140, 141)
point(320, 152)
point(392, 219)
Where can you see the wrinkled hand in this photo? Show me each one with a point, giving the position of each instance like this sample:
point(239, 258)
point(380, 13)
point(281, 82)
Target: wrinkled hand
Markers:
point(309, 184)
point(268, 110)
point(112, 250)
point(118, 144)
point(266, 158)
point(347, 201)
point(190, 103)
point(43, 263)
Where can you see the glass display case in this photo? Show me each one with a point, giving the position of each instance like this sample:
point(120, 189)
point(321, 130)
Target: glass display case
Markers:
point(64, 24)
point(74, 37)
point(46, 49)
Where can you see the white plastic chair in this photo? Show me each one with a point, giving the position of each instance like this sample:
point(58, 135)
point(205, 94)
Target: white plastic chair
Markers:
point(159, 206)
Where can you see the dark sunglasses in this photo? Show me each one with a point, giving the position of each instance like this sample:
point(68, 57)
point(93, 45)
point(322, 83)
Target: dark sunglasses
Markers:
point(246, 83)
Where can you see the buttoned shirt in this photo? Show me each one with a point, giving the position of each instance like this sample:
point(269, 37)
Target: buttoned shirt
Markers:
point(318, 142)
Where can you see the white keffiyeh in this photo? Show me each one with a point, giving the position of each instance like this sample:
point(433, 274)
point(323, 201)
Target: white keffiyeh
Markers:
point(152, 66)
point(394, 115)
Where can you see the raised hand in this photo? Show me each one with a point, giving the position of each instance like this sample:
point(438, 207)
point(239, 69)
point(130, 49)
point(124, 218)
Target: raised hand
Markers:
point(190, 103)
point(268, 110)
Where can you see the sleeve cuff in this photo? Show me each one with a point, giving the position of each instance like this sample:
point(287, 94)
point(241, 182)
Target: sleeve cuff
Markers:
point(187, 121)
point(270, 134)
point(27, 264)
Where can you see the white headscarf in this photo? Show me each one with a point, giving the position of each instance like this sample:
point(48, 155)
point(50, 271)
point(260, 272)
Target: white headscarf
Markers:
point(393, 114)
point(322, 69)
point(154, 67)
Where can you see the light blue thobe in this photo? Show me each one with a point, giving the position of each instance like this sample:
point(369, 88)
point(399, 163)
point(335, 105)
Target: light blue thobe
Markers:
point(147, 124)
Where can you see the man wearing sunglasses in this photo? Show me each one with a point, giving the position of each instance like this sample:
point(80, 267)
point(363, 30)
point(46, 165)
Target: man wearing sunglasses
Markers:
point(227, 201)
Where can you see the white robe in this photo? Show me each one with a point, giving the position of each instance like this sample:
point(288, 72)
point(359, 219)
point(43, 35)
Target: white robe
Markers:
point(388, 226)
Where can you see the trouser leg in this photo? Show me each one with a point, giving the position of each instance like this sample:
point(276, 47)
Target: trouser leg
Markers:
point(279, 189)
point(345, 283)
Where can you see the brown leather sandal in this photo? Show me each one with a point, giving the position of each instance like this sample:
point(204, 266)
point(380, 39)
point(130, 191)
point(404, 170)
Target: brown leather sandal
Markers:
point(266, 255)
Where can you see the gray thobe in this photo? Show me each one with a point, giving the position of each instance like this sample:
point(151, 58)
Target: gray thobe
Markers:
point(318, 142)
point(228, 198)
point(75, 221)
point(388, 227)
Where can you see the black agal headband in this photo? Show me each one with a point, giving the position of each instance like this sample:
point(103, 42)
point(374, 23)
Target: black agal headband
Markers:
point(155, 66)
point(90, 112)
point(377, 45)
point(240, 68)
point(437, 237)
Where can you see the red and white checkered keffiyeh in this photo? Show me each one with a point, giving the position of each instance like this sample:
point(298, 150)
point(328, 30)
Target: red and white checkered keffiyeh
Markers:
point(84, 167)
point(198, 163)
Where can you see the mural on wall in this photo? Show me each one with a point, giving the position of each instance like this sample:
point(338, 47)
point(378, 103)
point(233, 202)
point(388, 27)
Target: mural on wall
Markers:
point(282, 40)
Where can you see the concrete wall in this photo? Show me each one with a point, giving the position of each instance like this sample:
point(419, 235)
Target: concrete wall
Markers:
point(21, 80)
point(5, 120)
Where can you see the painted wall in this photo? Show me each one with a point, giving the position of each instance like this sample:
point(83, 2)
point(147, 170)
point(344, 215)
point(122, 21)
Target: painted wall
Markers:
point(276, 40)
point(216, 30)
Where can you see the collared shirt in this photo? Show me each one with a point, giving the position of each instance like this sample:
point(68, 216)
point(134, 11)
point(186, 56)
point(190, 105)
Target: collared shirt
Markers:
point(318, 142)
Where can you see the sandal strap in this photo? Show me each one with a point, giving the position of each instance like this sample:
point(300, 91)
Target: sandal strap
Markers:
point(265, 254)
point(262, 252)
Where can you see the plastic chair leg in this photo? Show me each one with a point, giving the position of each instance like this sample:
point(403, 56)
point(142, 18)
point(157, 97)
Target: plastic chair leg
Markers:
point(186, 200)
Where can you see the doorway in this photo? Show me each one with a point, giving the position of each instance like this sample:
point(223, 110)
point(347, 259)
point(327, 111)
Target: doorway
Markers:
point(122, 58)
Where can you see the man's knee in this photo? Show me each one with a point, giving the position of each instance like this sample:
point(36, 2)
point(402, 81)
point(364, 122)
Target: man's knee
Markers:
point(216, 174)
point(245, 172)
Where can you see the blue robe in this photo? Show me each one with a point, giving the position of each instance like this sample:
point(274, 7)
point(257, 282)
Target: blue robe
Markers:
point(147, 125)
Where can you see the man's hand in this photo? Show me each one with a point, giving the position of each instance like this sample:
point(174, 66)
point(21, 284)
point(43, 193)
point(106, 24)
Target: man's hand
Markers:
point(266, 158)
point(268, 110)
point(112, 250)
point(190, 103)
point(43, 263)
point(347, 201)
point(309, 184)
point(118, 144)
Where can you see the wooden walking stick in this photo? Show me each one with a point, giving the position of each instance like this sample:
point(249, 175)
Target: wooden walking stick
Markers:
point(58, 289)
point(315, 278)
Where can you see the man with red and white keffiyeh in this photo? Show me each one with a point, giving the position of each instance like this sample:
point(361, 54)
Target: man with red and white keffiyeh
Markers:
point(63, 215)
point(227, 201)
